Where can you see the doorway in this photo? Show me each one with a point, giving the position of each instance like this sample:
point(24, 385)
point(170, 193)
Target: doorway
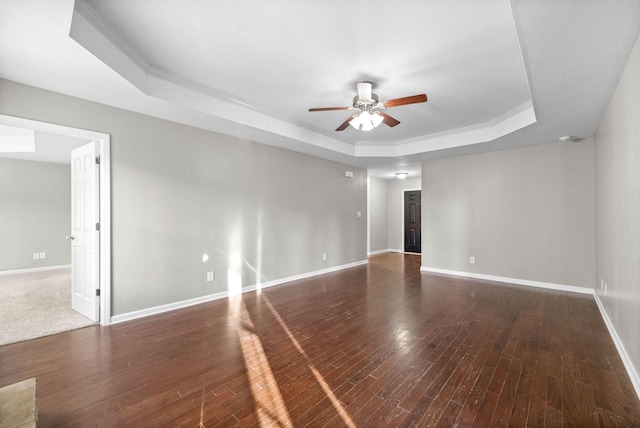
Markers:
point(103, 266)
point(412, 222)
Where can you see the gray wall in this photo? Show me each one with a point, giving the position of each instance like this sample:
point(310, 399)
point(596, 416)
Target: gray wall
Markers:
point(618, 207)
point(395, 195)
point(35, 214)
point(259, 213)
point(378, 215)
point(526, 213)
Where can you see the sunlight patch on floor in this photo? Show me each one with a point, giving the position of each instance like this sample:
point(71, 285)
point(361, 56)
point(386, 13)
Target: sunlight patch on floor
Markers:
point(323, 384)
point(270, 406)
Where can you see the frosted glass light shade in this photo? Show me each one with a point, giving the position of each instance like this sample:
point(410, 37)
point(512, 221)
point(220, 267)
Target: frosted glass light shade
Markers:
point(366, 121)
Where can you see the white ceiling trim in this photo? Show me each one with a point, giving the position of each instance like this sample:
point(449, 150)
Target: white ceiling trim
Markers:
point(198, 100)
point(90, 31)
point(518, 118)
point(94, 34)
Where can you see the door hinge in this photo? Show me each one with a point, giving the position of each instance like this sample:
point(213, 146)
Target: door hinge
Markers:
point(98, 160)
point(98, 226)
point(97, 292)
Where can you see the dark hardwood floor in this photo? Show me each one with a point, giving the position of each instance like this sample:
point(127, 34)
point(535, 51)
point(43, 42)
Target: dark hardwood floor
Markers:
point(370, 346)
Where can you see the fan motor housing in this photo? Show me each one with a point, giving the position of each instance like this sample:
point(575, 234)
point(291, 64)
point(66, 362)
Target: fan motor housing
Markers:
point(361, 104)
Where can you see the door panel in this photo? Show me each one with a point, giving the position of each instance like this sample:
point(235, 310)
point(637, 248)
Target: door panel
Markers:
point(412, 222)
point(85, 236)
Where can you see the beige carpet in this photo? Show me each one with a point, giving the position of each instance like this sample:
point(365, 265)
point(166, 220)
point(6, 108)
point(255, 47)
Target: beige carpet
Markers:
point(18, 408)
point(37, 304)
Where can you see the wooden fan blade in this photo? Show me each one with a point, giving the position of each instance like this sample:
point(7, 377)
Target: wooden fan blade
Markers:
point(328, 108)
point(388, 120)
point(422, 98)
point(344, 125)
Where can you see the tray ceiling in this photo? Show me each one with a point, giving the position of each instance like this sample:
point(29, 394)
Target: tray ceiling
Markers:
point(498, 73)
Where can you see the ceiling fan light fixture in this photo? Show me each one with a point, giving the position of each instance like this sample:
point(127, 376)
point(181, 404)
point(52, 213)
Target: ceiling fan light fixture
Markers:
point(365, 102)
point(376, 119)
point(366, 121)
point(356, 121)
point(366, 126)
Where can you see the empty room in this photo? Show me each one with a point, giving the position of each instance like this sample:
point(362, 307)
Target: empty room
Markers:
point(359, 214)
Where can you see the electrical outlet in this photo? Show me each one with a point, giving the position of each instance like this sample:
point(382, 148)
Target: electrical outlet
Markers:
point(359, 213)
point(211, 276)
point(43, 255)
point(605, 288)
point(36, 256)
point(324, 256)
point(472, 259)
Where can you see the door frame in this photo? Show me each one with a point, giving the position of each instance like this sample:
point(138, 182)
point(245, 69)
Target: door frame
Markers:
point(402, 215)
point(104, 149)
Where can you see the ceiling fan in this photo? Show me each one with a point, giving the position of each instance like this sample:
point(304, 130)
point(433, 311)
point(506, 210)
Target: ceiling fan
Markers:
point(368, 106)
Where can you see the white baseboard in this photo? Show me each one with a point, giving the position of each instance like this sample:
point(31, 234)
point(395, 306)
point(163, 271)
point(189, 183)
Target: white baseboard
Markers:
point(373, 253)
point(626, 360)
point(38, 269)
point(624, 356)
point(391, 250)
point(166, 308)
point(190, 302)
point(517, 281)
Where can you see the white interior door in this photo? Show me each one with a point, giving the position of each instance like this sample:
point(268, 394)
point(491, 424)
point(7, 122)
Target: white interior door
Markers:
point(84, 228)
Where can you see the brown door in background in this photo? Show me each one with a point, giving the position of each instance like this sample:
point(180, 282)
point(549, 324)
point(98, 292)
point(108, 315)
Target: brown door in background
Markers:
point(412, 233)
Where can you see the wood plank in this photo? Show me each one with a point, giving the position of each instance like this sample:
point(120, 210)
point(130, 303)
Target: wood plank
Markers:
point(393, 346)
point(475, 399)
point(538, 399)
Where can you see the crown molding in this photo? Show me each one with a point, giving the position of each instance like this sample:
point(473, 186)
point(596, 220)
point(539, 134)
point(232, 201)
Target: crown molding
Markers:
point(92, 32)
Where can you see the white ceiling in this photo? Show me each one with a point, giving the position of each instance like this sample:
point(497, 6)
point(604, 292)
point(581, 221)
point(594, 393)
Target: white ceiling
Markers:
point(498, 73)
point(49, 147)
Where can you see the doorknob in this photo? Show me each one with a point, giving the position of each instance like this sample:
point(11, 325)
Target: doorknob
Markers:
point(70, 238)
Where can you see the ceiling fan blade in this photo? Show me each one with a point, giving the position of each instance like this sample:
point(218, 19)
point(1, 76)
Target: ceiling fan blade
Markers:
point(328, 108)
point(344, 125)
point(388, 120)
point(422, 98)
point(364, 90)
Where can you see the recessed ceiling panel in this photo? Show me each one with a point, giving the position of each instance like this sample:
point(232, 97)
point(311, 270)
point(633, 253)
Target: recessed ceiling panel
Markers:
point(284, 57)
